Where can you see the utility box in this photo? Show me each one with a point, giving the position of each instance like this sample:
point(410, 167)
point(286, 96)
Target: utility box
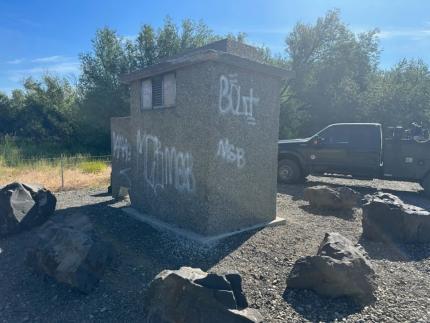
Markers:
point(202, 134)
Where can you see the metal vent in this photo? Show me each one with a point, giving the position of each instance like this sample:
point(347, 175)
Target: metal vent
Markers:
point(157, 91)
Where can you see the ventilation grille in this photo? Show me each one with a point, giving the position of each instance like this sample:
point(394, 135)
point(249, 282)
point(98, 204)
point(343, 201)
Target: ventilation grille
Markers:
point(157, 91)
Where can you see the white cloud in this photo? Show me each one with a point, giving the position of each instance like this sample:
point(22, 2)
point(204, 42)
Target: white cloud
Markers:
point(16, 61)
point(7, 90)
point(415, 34)
point(49, 59)
point(70, 68)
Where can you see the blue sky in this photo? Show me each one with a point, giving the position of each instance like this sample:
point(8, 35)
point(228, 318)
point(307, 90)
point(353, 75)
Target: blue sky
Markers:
point(39, 36)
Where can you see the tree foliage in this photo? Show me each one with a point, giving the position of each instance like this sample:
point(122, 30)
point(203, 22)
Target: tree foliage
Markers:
point(332, 68)
point(101, 93)
point(42, 111)
point(335, 77)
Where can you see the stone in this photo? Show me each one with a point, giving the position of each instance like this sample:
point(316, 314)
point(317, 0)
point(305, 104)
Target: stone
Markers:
point(24, 206)
point(67, 249)
point(336, 198)
point(339, 268)
point(387, 218)
point(194, 296)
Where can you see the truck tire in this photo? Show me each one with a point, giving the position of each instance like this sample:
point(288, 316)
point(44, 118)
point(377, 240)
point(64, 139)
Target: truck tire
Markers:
point(426, 185)
point(289, 172)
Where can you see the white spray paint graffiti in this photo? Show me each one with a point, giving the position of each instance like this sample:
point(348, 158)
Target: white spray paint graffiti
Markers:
point(231, 153)
point(231, 100)
point(121, 147)
point(165, 166)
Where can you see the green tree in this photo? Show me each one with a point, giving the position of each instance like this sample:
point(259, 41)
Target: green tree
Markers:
point(6, 119)
point(101, 94)
point(331, 68)
point(44, 111)
point(400, 95)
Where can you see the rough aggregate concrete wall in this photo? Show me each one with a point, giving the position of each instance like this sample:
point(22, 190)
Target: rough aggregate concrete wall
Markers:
point(209, 163)
point(243, 140)
point(121, 149)
point(170, 174)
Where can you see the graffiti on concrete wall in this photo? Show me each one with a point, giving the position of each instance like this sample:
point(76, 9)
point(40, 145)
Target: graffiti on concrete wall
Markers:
point(232, 101)
point(121, 147)
point(165, 166)
point(231, 153)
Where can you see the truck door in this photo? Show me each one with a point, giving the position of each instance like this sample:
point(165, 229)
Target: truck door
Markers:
point(330, 153)
point(365, 148)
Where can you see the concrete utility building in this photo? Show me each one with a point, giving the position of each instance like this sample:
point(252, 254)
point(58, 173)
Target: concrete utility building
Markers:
point(199, 150)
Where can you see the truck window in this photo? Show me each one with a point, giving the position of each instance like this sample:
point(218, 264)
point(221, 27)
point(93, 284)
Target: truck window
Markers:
point(365, 138)
point(335, 135)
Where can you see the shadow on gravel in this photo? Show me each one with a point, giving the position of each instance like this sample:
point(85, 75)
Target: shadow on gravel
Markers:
point(316, 308)
point(149, 246)
point(296, 190)
point(141, 253)
point(102, 194)
point(395, 251)
point(349, 215)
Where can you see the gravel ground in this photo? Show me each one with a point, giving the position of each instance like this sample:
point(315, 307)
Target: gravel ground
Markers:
point(264, 258)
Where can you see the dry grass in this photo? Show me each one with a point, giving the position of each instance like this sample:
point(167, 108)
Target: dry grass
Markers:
point(50, 176)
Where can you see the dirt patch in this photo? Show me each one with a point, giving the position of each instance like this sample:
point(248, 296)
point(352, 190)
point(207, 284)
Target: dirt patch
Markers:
point(264, 258)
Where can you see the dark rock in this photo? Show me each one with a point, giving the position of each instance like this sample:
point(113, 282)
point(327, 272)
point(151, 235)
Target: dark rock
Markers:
point(332, 197)
point(194, 296)
point(340, 268)
point(24, 206)
point(387, 218)
point(68, 250)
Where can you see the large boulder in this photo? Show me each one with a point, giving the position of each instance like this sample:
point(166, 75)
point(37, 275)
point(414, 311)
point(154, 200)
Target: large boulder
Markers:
point(387, 218)
point(335, 198)
point(194, 296)
point(24, 206)
point(67, 249)
point(340, 268)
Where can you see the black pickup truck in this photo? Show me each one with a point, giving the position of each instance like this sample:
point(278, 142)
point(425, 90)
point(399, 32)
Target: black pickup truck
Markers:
point(361, 150)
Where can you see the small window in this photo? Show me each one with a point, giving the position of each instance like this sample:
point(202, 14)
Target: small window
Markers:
point(159, 92)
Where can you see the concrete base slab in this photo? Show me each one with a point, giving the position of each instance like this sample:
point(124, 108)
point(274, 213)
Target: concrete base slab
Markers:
point(187, 234)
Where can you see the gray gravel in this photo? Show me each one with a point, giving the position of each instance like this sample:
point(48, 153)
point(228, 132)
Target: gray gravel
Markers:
point(264, 258)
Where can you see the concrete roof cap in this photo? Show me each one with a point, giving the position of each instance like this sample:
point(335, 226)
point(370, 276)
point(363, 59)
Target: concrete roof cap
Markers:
point(227, 51)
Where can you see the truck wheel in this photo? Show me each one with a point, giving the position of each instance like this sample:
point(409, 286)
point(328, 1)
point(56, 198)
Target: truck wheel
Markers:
point(289, 172)
point(426, 185)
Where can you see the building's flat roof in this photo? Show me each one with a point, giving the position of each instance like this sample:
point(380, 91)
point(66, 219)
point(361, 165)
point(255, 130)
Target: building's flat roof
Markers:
point(203, 55)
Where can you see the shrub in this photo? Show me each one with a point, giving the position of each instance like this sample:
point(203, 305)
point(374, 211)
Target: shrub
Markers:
point(92, 167)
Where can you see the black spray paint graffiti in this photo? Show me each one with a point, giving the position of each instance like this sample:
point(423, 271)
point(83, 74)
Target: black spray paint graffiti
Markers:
point(121, 147)
point(165, 166)
point(231, 153)
point(231, 100)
